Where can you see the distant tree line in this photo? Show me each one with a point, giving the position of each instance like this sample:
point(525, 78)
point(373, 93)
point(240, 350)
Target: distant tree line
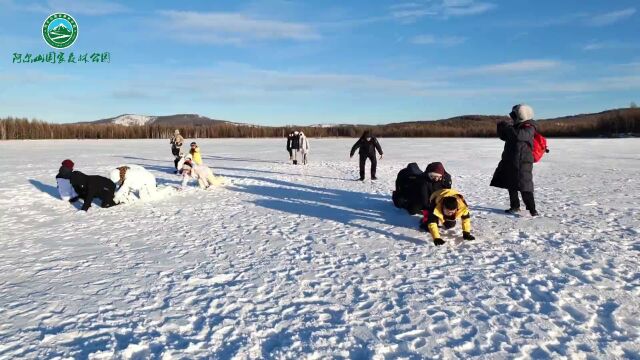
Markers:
point(606, 124)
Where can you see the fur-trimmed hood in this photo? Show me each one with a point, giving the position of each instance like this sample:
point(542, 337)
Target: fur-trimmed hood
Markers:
point(521, 112)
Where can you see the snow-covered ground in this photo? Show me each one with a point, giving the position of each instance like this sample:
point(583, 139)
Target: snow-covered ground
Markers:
point(304, 262)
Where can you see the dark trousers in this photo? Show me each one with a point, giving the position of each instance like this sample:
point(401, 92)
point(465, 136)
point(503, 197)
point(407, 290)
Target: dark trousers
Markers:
point(527, 198)
point(175, 150)
point(374, 164)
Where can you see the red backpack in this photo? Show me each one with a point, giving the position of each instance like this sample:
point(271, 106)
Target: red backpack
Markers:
point(539, 147)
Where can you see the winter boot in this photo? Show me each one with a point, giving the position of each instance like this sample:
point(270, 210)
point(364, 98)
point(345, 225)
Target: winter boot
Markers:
point(512, 211)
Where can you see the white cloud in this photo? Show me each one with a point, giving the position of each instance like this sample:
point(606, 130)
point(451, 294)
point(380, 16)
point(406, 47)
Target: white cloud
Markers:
point(412, 11)
point(610, 45)
point(428, 39)
point(611, 17)
point(234, 28)
point(515, 67)
point(468, 9)
point(86, 7)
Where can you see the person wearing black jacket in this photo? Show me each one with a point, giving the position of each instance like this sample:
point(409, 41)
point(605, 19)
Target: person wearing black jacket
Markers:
point(293, 146)
point(435, 178)
point(289, 149)
point(368, 145)
point(515, 170)
point(91, 186)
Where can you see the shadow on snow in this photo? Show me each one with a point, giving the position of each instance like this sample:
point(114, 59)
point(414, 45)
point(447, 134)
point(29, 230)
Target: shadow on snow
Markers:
point(345, 207)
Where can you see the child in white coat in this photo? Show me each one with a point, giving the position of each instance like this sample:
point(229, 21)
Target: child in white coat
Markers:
point(201, 173)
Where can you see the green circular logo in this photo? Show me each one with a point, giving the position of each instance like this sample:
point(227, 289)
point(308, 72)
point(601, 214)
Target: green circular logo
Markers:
point(60, 30)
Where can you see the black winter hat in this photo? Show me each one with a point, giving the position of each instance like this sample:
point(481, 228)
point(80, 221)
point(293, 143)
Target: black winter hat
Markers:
point(450, 203)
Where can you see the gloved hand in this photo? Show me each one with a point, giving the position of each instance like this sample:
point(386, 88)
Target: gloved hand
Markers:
point(438, 241)
point(467, 236)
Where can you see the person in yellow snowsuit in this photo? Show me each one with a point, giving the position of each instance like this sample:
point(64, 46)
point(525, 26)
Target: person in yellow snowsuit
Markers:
point(446, 206)
point(195, 153)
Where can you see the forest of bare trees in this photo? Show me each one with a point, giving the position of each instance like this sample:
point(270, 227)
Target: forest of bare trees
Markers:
point(621, 122)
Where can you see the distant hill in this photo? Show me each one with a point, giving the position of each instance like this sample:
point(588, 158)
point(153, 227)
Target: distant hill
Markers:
point(610, 123)
point(170, 120)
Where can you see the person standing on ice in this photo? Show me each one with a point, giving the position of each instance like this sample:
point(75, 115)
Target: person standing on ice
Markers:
point(515, 170)
point(176, 143)
point(196, 156)
point(132, 179)
point(289, 150)
point(294, 145)
point(64, 184)
point(448, 205)
point(304, 148)
point(368, 145)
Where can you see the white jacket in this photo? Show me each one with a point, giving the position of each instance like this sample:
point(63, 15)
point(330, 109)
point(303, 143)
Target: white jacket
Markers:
point(136, 180)
point(65, 189)
point(204, 175)
point(304, 144)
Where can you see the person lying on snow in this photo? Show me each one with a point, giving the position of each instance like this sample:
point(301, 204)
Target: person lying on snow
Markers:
point(131, 180)
point(448, 205)
point(196, 156)
point(62, 179)
point(201, 173)
point(89, 187)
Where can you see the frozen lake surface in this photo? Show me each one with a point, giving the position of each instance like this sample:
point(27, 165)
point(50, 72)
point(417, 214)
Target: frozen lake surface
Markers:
point(304, 262)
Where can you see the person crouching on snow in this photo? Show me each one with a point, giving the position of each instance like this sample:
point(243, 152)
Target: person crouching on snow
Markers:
point(448, 205)
point(201, 173)
point(131, 179)
point(89, 187)
point(64, 184)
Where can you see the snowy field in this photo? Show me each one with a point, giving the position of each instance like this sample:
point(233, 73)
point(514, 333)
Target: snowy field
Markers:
point(295, 262)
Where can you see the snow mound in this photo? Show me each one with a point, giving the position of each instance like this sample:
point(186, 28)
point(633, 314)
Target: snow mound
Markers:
point(131, 119)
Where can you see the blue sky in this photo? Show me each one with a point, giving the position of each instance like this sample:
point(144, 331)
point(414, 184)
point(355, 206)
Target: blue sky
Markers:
point(276, 62)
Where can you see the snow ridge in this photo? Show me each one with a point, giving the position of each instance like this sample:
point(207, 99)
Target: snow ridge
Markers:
point(132, 119)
